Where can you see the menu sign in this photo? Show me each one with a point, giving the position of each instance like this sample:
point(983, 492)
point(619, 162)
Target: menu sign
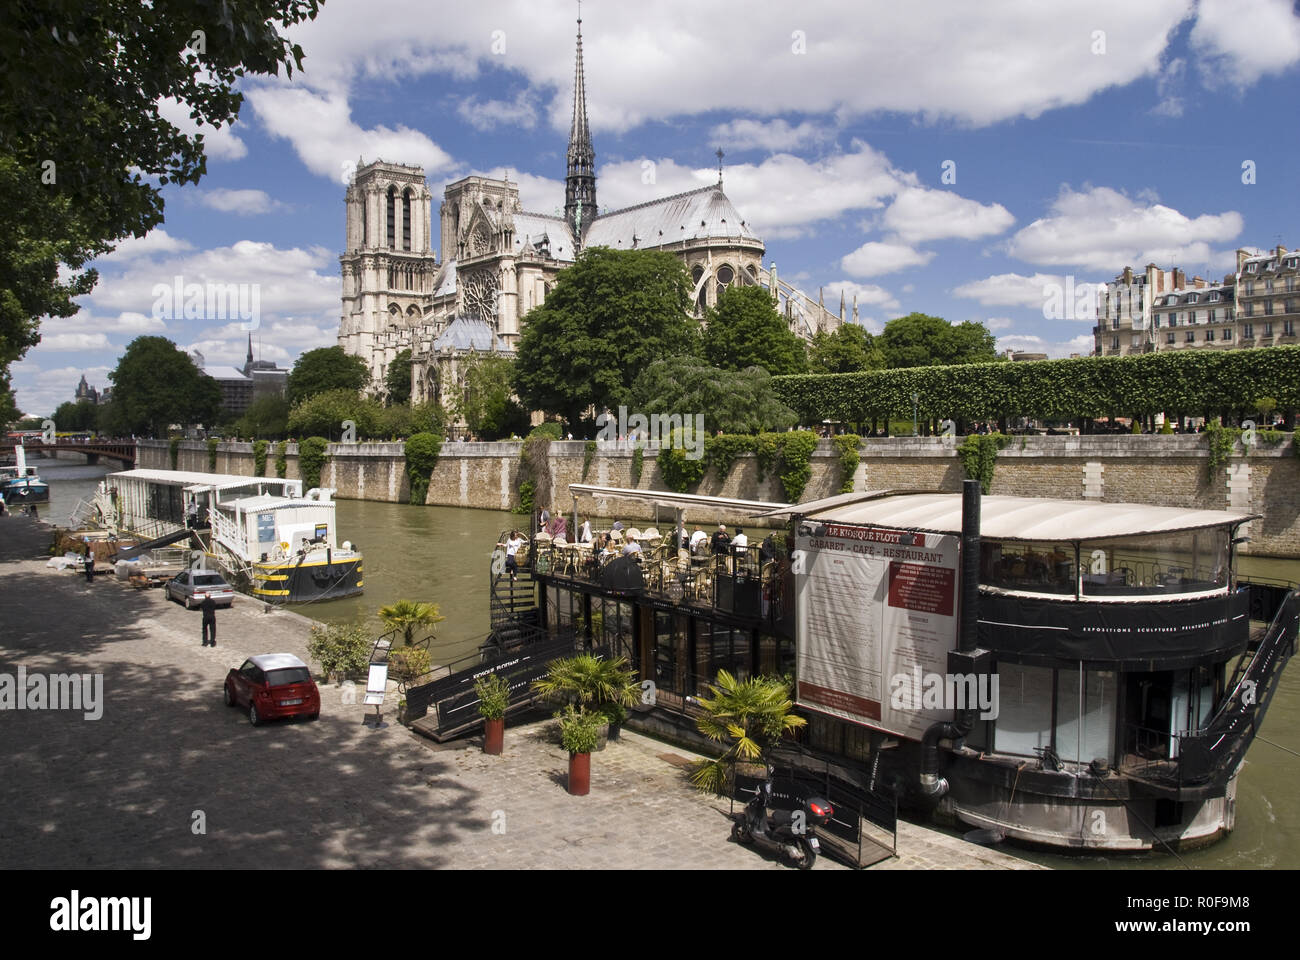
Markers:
point(876, 610)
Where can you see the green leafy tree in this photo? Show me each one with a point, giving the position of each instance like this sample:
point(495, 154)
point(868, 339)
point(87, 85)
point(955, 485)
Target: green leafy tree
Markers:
point(744, 330)
point(486, 404)
point(919, 340)
point(323, 369)
point(398, 380)
point(76, 415)
point(608, 317)
point(84, 149)
point(323, 415)
point(156, 384)
point(731, 401)
point(266, 418)
point(850, 349)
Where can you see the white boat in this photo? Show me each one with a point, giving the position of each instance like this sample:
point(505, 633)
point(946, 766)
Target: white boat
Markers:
point(270, 537)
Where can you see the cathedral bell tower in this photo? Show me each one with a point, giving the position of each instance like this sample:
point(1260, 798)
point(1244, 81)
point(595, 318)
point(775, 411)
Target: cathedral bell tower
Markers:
point(580, 180)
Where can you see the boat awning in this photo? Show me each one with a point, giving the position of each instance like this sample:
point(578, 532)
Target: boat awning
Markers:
point(1022, 518)
point(193, 481)
point(666, 498)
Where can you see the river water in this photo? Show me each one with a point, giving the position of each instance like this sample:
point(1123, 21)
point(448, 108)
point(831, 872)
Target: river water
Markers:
point(442, 555)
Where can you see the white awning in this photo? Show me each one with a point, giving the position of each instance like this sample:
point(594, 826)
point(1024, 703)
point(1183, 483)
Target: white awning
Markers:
point(667, 498)
point(1025, 518)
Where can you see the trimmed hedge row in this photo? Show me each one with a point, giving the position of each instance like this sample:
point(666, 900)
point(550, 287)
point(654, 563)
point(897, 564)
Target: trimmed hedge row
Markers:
point(1186, 382)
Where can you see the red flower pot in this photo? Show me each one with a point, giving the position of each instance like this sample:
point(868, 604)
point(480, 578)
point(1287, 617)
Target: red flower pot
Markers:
point(494, 735)
point(579, 774)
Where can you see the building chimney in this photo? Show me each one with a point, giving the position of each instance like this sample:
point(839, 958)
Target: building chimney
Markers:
point(1281, 251)
point(1241, 258)
point(1128, 275)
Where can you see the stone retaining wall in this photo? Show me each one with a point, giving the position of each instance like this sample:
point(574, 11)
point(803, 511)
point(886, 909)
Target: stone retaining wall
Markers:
point(1161, 470)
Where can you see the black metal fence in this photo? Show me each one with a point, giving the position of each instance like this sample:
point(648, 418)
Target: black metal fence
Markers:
point(864, 827)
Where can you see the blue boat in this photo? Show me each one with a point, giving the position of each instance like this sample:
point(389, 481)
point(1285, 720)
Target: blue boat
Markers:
point(20, 484)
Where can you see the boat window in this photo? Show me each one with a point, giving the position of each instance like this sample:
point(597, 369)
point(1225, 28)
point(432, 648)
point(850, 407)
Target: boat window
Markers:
point(1024, 721)
point(1036, 567)
point(1192, 561)
point(1092, 738)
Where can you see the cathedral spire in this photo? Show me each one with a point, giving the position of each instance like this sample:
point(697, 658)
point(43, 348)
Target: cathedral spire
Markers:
point(580, 180)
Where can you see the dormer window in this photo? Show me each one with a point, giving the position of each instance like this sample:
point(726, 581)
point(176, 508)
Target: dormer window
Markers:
point(1194, 298)
point(1214, 298)
point(1252, 267)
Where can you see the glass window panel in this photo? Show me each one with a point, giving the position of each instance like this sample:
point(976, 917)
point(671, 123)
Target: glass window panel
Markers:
point(1188, 562)
point(1094, 737)
point(1024, 709)
point(1028, 566)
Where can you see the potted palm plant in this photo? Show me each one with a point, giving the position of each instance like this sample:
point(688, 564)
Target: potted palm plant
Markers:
point(599, 686)
point(493, 699)
point(406, 615)
point(750, 716)
point(579, 732)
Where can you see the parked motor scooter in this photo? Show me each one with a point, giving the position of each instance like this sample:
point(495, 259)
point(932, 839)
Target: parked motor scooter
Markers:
point(792, 832)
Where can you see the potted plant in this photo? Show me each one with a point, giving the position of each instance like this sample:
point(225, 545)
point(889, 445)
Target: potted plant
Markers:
point(579, 732)
point(600, 686)
point(401, 711)
point(615, 716)
point(748, 715)
point(493, 699)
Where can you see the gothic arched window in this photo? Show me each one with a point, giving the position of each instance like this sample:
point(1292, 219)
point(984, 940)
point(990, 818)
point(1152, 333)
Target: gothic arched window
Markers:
point(406, 219)
point(392, 217)
point(725, 276)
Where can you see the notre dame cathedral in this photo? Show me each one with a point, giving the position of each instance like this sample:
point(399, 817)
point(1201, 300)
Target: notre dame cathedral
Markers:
point(499, 261)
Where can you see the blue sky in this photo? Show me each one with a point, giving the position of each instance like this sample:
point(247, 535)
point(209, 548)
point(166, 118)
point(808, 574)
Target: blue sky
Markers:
point(1078, 138)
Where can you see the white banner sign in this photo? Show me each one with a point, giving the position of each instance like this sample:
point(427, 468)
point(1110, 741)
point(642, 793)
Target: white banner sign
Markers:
point(876, 615)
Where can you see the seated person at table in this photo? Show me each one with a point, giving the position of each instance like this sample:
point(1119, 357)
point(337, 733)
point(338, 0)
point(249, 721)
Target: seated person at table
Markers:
point(631, 547)
point(721, 541)
point(740, 542)
point(697, 538)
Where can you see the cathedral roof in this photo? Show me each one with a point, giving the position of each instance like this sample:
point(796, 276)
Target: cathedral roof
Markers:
point(467, 333)
point(532, 227)
point(444, 284)
point(701, 214)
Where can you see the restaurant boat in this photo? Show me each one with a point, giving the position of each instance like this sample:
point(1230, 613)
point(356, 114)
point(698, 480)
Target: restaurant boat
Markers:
point(20, 484)
point(1071, 674)
point(272, 539)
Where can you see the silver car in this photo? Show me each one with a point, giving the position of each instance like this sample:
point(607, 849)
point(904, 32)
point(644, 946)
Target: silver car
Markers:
point(192, 587)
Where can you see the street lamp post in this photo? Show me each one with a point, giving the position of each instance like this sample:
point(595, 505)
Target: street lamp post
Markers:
point(915, 430)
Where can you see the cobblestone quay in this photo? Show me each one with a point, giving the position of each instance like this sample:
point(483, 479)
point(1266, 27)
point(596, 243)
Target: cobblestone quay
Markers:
point(169, 776)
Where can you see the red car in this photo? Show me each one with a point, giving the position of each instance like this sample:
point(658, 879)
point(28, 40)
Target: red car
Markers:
point(272, 686)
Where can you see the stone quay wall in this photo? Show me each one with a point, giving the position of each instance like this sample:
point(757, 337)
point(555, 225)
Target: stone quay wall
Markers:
point(1153, 469)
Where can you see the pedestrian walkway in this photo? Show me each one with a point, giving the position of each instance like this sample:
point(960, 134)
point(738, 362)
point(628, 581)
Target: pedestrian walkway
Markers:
point(171, 777)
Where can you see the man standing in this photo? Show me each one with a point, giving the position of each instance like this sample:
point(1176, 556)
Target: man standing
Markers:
point(209, 609)
point(512, 545)
point(89, 562)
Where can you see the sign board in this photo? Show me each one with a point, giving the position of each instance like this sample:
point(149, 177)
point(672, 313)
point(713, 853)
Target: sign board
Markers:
point(266, 527)
point(876, 612)
point(376, 683)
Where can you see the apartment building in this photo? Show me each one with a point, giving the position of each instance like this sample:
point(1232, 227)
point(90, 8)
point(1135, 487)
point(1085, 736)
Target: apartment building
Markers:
point(1257, 306)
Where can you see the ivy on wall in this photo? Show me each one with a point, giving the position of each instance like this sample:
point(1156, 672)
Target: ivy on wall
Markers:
point(174, 451)
point(422, 451)
point(588, 451)
point(311, 458)
point(847, 445)
point(259, 458)
point(282, 459)
point(212, 454)
point(979, 455)
point(638, 460)
point(790, 453)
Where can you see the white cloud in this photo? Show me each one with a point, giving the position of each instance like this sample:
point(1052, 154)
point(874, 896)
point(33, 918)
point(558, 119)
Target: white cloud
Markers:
point(321, 129)
point(72, 341)
point(983, 63)
point(219, 143)
point(41, 391)
point(1168, 83)
point(1082, 344)
point(521, 112)
point(998, 323)
point(156, 241)
point(918, 214)
point(1098, 228)
point(874, 258)
point(244, 203)
point(1239, 41)
point(536, 194)
point(771, 135)
point(1011, 289)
